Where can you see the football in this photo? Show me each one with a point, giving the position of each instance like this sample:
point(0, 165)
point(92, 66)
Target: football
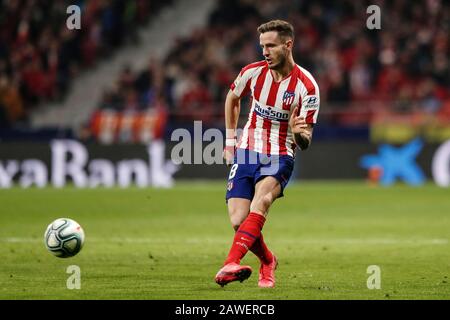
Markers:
point(64, 238)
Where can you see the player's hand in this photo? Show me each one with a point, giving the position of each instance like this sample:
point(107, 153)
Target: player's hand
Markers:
point(228, 153)
point(298, 123)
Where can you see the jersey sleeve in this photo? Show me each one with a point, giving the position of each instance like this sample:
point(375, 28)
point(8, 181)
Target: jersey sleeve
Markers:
point(311, 102)
point(310, 108)
point(241, 85)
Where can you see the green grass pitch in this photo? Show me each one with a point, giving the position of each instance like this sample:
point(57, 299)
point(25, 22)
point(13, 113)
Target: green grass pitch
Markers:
point(169, 243)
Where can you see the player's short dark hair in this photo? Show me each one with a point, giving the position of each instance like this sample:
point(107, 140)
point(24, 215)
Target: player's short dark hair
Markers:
point(284, 28)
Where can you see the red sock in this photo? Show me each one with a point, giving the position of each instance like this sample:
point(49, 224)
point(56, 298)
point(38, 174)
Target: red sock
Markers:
point(260, 249)
point(248, 232)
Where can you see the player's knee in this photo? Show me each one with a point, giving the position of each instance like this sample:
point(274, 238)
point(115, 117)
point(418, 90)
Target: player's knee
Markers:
point(235, 223)
point(265, 201)
point(236, 218)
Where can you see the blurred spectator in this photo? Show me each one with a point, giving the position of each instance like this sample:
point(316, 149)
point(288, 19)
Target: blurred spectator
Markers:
point(11, 105)
point(196, 102)
point(133, 110)
point(41, 55)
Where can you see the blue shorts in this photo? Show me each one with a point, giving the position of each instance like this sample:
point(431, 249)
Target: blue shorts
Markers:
point(250, 167)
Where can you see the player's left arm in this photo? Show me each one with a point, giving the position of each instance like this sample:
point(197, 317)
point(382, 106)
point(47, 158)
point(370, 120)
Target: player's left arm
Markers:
point(303, 119)
point(301, 130)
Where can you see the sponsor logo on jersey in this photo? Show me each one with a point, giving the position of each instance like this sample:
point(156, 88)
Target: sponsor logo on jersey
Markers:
point(271, 114)
point(312, 102)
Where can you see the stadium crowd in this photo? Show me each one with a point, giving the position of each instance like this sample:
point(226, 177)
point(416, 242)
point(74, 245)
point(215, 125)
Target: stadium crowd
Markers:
point(39, 55)
point(401, 68)
point(404, 67)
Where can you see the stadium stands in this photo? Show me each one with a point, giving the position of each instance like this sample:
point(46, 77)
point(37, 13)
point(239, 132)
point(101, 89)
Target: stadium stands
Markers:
point(39, 56)
point(366, 76)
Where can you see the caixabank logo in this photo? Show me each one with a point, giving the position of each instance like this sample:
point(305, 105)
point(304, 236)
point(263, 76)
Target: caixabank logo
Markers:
point(71, 162)
point(399, 164)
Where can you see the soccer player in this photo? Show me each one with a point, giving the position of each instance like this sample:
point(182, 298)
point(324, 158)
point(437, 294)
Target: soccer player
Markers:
point(284, 108)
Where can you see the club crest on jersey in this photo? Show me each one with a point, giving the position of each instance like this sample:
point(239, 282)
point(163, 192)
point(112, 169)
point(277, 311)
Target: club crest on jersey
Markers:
point(288, 98)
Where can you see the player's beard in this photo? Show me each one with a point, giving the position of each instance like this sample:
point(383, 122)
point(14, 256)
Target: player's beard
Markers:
point(280, 64)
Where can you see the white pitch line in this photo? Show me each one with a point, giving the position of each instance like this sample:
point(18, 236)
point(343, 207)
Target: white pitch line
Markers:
point(206, 240)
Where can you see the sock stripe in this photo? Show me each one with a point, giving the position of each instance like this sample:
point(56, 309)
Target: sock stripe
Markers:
point(247, 233)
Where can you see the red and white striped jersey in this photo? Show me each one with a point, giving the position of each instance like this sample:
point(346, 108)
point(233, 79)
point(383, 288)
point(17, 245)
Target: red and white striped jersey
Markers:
point(267, 130)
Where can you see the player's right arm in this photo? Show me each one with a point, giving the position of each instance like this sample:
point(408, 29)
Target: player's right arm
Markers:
point(232, 111)
point(239, 88)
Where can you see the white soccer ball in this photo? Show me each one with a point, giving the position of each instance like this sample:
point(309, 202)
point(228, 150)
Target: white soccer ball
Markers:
point(64, 238)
